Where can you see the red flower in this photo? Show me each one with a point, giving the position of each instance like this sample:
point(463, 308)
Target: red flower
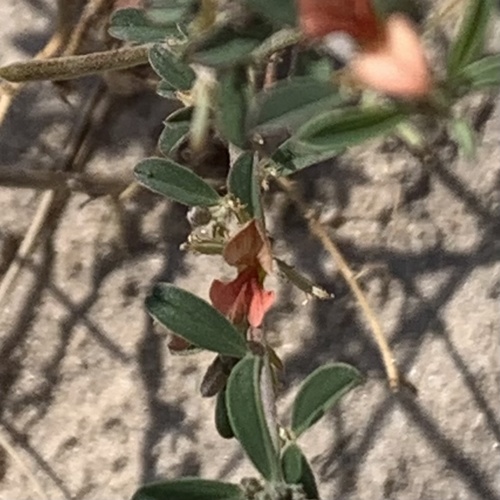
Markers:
point(397, 66)
point(245, 297)
point(391, 56)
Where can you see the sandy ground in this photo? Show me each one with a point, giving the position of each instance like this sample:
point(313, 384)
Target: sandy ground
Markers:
point(94, 404)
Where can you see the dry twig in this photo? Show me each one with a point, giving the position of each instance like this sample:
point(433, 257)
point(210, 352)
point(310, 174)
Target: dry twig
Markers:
point(318, 230)
point(49, 198)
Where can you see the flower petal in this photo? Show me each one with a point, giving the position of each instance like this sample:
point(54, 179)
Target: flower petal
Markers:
point(261, 301)
point(249, 247)
point(398, 66)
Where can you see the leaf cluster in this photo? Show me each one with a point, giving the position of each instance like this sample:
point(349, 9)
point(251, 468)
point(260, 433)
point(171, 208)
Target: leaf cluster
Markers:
point(242, 77)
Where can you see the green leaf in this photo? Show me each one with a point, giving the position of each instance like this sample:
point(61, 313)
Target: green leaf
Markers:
point(296, 470)
point(176, 130)
point(461, 131)
point(287, 159)
point(179, 75)
point(292, 102)
point(135, 26)
point(176, 182)
point(180, 115)
point(172, 137)
point(193, 319)
point(469, 42)
point(243, 182)
point(244, 404)
point(222, 423)
point(335, 130)
point(232, 105)
point(280, 12)
point(169, 11)
point(482, 73)
point(190, 489)
point(164, 89)
point(310, 63)
point(320, 391)
point(227, 46)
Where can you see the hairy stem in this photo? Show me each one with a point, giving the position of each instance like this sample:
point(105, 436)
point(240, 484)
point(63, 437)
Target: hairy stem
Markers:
point(69, 67)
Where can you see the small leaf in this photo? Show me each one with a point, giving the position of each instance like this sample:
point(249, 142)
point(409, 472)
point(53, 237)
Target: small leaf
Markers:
point(288, 160)
point(301, 282)
point(335, 130)
point(190, 489)
point(244, 404)
point(482, 73)
point(320, 391)
point(175, 182)
point(469, 42)
point(172, 137)
point(135, 26)
point(222, 423)
point(170, 69)
point(215, 378)
point(164, 89)
point(461, 131)
point(227, 46)
point(280, 12)
point(169, 12)
point(296, 470)
point(311, 64)
point(243, 182)
point(232, 105)
point(292, 102)
point(194, 320)
point(176, 130)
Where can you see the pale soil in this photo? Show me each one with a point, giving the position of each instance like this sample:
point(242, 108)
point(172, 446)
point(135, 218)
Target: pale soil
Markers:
point(95, 405)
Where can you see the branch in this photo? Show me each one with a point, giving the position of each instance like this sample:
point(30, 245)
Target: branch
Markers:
point(319, 231)
point(91, 184)
point(66, 68)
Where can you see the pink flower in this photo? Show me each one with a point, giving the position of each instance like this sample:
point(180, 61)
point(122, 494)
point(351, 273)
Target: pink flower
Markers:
point(244, 298)
point(391, 57)
point(396, 65)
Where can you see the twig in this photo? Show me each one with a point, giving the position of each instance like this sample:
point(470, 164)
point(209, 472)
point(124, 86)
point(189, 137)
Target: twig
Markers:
point(317, 230)
point(27, 244)
point(69, 67)
point(48, 199)
point(10, 450)
point(91, 184)
point(91, 12)
point(64, 27)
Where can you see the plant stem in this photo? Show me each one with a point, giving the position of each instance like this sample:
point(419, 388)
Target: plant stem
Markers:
point(69, 67)
point(318, 230)
point(91, 184)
